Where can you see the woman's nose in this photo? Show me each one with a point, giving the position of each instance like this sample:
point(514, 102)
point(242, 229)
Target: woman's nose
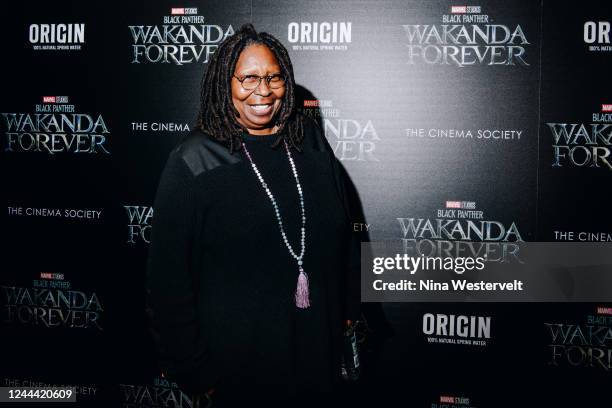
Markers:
point(263, 88)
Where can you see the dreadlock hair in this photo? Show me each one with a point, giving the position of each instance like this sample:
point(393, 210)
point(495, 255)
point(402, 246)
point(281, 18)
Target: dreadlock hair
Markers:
point(218, 115)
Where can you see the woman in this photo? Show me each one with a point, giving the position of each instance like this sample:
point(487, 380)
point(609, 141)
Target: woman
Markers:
point(252, 270)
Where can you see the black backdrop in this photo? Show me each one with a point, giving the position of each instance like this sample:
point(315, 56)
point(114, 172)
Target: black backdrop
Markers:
point(410, 126)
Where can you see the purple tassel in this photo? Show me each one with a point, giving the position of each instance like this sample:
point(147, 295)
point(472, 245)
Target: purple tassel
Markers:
point(301, 293)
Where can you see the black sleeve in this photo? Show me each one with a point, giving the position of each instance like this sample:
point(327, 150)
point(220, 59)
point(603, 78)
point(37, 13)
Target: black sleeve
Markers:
point(171, 292)
point(354, 213)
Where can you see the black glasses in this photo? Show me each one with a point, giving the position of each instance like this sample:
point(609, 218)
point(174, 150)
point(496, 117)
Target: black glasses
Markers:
point(251, 82)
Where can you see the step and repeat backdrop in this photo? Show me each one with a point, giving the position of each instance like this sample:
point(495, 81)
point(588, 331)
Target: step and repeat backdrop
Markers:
point(504, 107)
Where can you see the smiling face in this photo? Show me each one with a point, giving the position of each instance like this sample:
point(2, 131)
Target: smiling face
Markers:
point(257, 107)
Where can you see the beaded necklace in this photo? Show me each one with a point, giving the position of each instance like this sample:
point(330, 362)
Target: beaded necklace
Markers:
point(302, 292)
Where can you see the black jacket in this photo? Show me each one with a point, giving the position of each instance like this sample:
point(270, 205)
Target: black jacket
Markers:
point(205, 320)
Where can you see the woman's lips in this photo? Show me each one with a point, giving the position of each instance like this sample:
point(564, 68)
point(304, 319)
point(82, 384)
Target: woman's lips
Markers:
point(261, 109)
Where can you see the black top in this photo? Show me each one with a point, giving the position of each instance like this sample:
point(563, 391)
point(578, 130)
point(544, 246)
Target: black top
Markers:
point(221, 281)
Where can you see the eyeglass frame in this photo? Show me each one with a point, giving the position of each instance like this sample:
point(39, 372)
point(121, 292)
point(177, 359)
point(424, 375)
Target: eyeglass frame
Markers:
point(268, 78)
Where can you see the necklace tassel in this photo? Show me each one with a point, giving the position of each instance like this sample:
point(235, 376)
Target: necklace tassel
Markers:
point(301, 293)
